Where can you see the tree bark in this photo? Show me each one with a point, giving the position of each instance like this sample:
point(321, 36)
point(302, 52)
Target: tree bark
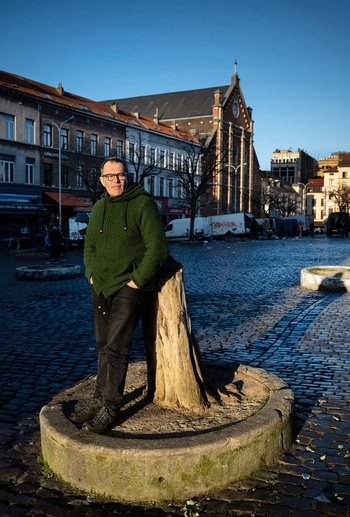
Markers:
point(177, 378)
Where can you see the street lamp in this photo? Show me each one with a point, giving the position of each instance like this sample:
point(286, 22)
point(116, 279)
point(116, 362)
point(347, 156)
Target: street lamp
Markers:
point(304, 198)
point(236, 168)
point(59, 128)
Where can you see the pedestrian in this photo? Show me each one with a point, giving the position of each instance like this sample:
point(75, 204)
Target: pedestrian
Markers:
point(125, 247)
point(47, 241)
point(56, 241)
point(300, 228)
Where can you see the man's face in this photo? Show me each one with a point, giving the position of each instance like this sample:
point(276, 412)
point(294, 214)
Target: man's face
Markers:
point(119, 183)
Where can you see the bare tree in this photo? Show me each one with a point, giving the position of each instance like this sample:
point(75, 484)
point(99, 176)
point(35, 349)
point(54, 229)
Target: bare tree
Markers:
point(281, 199)
point(196, 171)
point(341, 196)
point(140, 165)
point(91, 181)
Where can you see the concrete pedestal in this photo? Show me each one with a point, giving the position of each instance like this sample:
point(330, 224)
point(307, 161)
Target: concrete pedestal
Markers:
point(325, 278)
point(154, 454)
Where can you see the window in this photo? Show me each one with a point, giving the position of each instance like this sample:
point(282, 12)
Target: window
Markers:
point(179, 189)
point(171, 187)
point(29, 131)
point(9, 126)
point(161, 187)
point(119, 148)
point(151, 185)
point(153, 155)
point(64, 138)
point(181, 162)
point(93, 144)
point(47, 174)
point(30, 170)
point(79, 143)
point(131, 152)
point(345, 174)
point(47, 135)
point(65, 176)
point(94, 176)
point(171, 160)
point(162, 158)
point(143, 154)
point(7, 171)
point(79, 176)
point(107, 148)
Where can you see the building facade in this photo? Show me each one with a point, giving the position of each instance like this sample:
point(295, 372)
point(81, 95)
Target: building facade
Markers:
point(336, 178)
point(293, 167)
point(220, 119)
point(52, 144)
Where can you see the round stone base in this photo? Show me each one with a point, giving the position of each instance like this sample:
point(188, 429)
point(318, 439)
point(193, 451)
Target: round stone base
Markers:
point(325, 278)
point(48, 272)
point(157, 454)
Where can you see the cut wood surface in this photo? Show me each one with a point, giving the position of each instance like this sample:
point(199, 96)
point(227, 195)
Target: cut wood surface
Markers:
point(177, 378)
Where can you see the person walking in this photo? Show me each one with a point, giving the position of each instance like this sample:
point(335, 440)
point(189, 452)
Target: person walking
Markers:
point(125, 247)
point(56, 241)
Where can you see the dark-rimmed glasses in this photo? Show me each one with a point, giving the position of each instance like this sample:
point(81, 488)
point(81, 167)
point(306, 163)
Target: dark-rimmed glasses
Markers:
point(110, 177)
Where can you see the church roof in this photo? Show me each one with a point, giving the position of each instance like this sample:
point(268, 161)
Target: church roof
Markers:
point(173, 105)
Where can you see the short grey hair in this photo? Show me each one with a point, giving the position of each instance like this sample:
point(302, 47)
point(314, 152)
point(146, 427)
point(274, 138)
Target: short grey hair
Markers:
point(115, 160)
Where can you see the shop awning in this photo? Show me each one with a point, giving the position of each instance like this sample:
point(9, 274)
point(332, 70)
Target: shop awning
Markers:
point(68, 199)
point(20, 201)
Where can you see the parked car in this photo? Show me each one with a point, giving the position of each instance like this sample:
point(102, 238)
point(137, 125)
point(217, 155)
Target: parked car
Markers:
point(337, 224)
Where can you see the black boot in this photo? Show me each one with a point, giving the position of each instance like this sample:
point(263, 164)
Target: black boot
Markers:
point(103, 421)
point(87, 412)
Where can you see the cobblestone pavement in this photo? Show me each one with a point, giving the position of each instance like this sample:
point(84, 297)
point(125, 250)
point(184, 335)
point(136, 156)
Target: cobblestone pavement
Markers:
point(245, 306)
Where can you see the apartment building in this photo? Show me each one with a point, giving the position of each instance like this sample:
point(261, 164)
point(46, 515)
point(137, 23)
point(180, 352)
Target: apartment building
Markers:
point(52, 143)
point(293, 167)
point(335, 177)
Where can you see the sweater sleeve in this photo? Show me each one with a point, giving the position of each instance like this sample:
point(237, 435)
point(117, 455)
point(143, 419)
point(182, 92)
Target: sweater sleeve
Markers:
point(89, 247)
point(156, 245)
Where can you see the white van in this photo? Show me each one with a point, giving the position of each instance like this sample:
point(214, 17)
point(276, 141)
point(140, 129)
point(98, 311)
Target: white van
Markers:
point(179, 229)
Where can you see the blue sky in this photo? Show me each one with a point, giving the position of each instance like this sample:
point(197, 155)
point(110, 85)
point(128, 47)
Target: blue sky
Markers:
point(293, 57)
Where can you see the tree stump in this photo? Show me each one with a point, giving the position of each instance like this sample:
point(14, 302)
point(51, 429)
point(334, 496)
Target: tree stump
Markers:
point(176, 378)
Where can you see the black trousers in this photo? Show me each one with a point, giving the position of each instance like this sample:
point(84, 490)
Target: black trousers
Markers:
point(116, 318)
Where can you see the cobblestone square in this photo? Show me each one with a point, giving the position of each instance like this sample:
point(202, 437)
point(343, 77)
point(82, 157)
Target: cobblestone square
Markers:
point(246, 306)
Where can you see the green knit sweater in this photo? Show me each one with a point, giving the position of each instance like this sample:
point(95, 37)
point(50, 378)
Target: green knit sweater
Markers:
point(124, 241)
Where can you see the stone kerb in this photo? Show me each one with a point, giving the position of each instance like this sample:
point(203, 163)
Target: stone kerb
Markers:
point(146, 466)
point(48, 272)
point(325, 278)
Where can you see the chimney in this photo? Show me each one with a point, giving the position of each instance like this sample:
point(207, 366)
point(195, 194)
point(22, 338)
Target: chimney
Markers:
point(60, 89)
point(114, 107)
point(156, 116)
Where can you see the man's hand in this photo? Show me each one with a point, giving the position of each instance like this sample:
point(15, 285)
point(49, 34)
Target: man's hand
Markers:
point(132, 284)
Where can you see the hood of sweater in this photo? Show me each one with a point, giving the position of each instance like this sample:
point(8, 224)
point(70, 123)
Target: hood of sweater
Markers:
point(133, 191)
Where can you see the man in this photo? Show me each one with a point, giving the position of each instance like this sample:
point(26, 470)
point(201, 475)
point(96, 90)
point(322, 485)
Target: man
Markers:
point(125, 246)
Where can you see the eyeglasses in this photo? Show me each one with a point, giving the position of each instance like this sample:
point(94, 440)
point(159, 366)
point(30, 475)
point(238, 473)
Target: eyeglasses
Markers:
point(110, 177)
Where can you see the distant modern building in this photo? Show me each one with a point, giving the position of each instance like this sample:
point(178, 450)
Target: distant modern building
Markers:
point(219, 117)
point(293, 167)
